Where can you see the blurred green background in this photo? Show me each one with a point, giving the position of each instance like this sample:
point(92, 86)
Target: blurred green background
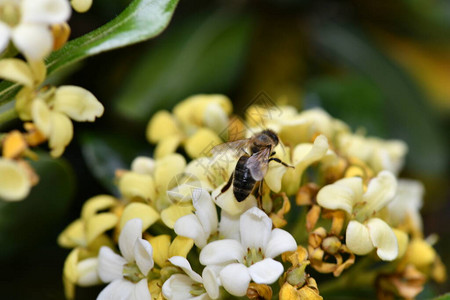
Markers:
point(379, 65)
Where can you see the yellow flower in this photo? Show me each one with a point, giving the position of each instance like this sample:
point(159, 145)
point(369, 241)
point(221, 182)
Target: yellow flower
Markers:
point(15, 183)
point(81, 6)
point(196, 123)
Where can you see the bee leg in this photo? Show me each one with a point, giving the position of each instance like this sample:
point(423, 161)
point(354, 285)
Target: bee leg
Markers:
point(226, 186)
point(259, 194)
point(281, 162)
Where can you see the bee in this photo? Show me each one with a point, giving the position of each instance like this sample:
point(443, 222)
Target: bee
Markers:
point(256, 153)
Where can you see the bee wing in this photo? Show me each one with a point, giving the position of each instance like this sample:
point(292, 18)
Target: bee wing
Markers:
point(258, 164)
point(238, 147)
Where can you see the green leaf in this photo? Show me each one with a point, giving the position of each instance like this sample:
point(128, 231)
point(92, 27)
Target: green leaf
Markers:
point(27, 222)
point(443, 297)
point(140, 21)
point(105, 153)
point(405, 110)
point(204, 55)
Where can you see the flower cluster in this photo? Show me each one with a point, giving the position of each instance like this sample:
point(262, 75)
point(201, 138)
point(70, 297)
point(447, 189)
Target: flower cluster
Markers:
point(322, 198)
point(35, 28)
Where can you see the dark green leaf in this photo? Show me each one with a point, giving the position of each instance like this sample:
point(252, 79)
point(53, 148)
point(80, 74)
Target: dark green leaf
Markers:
point(106, 153)
point(405, 109)
point(24, 223)
point(195, 57)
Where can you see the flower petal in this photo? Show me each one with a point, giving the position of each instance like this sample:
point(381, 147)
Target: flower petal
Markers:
point(266, 271)
point(41, 116)
point(358, 238)
point(81, 6)
point(222, 251)
point(280, 241)
point(133, 184)
point(342, 194)
point(110, 265)
point(183, 263)
point(383, 238)
point(98, 224)
point(189, 226)
point(16, 70)
point(128, 236)
point(228, 202)
point(162, 125)
point(201, 142)
point(87, 272)
point(255, 228)
point(119, 289)
point(211, 282)
point(73, 235)
point(229, 226)
point(33, 40)
point(143, 165)
point(4, 36)
point(170, 215)
point(178, 286)
point(95, 204)
point(235, 279)
point(180, 246)
point(160, 245)
point(61, 133)
point(141, 291)
point(145, 212)
point(79, 104)
point(45, 11)
point(380, 191)
point(15, 184)
point(143, 253)
point(205, 210)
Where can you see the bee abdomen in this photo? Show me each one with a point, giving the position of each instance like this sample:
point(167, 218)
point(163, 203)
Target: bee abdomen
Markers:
point(243, 181)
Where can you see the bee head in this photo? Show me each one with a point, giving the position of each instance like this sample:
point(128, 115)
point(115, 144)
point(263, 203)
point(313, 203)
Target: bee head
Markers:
point(272, 135)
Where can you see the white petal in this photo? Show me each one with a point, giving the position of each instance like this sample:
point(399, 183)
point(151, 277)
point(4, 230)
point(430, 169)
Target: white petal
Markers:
point(383, 238)
point(79, 104)
point(141, 291)
point(342, 194)
point(119, 289)
point(143, 253)
point(380, 191)
point(4, 36)
point(255, 228)
point(228, 202)
point(110, 265)
point(87, 272)
point(41, 116)
point(178, 286)
point(358, 238)
point(127, 238)
point(189, 226)
point(229, 226)
point(61, 133)
point(143, 165)
point(280, 241)
point(34, 41)
point(45, 11)
point(183, 263)
point(235, 279)
point(222, 251)
point(266, 271)
point(211, 282)
point(205, 209)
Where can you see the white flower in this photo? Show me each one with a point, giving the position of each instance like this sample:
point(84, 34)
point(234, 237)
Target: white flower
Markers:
point(365, 231)
point(26, 24)
point(192, 285)
point(251, 256)
point(127, 274)
point(204, 222)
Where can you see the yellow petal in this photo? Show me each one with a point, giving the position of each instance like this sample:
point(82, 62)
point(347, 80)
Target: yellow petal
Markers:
point(143, 165)
point(228, 202)
point(420, 253)
point(201, 143)
point(171, 214)
point(16, 70)
point(166, 170)
point(160, 245)
point(132, 185)
point(98, 224)
point(79, 104)
point(14, 144)
point(15, 184)
point(167, 145)
point(145, 212)
point(73, 235)
point(70, 266)
point(358, 238)
point(39, 71)
point(24, 99)
point(41, 116)
point(95, 204)
point(162, 125)
point(61, 133)
point(402, 239)
point(181, 246)
point(81, 6)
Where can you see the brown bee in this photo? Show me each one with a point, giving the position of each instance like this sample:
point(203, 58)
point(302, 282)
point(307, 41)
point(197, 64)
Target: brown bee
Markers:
point(256, 153)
